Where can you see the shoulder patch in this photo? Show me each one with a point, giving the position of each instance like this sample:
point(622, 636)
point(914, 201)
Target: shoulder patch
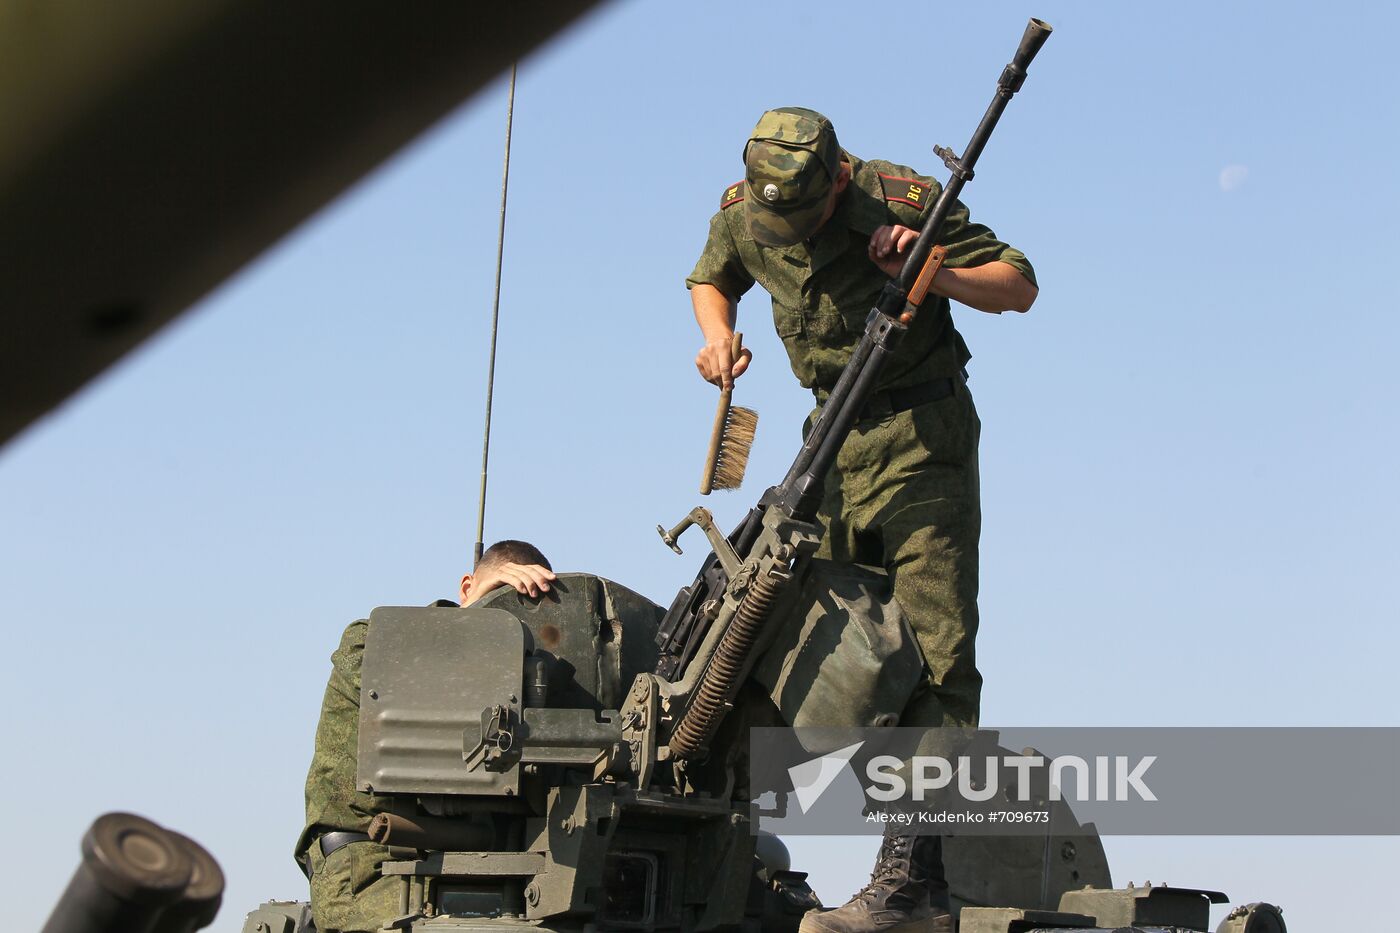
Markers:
point(909, 191)
point(732, 195)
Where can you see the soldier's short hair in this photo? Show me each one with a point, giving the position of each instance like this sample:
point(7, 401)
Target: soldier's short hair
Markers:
point(514, 552)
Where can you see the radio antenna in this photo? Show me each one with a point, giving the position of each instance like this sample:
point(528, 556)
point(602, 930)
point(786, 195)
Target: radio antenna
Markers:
point(495, 320)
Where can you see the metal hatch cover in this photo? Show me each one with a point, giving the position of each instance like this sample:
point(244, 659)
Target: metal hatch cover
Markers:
point(427, 675)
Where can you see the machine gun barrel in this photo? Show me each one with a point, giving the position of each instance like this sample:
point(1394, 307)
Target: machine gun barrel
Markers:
point(801, 488)
point(1012, 77)
point(710, 634)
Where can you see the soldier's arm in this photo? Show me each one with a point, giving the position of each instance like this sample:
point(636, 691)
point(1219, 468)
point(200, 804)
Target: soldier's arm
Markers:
point(993, 286)
point(980, 270)
point(716, 313)
point(716, 285)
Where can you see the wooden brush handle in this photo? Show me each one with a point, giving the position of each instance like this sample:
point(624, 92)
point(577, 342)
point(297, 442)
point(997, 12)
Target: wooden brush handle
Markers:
point(707, 479)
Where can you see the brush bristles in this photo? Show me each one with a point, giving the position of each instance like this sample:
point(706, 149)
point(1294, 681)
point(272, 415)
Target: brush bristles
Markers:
point(734, 446)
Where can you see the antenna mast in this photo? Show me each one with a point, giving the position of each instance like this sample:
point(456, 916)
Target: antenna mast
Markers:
point(495, 319)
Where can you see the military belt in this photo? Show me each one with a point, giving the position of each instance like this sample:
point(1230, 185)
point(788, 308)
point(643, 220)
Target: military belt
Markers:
point(329, 842)
point(890, 402)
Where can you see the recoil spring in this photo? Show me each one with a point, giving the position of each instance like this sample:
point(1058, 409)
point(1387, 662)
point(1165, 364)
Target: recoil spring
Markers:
point(720, 681)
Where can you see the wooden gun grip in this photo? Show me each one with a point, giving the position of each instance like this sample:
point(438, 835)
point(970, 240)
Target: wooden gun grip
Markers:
point(932, 264)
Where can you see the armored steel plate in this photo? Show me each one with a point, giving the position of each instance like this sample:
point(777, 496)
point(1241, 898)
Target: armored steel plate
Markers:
point(426, 678)
point(596, 636)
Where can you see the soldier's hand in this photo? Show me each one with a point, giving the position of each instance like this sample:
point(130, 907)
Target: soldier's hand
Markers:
point(887, 246)
point(527, 579)
point(716, 365)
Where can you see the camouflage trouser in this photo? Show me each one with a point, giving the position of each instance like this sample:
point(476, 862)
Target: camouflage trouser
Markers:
point(904, 495)
point(347, 892)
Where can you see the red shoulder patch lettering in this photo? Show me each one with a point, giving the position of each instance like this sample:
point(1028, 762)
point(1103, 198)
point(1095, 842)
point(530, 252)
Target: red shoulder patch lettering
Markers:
point(732, 195)
point(909, 191)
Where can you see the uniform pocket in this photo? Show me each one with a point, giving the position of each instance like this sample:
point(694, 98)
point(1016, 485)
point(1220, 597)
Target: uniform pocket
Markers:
point(330, 885)
point(365, 860)
point(947, 430)
point(787, 322)
point(826, 328)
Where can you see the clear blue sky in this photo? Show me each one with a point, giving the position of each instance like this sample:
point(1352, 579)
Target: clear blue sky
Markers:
point(1189, 447)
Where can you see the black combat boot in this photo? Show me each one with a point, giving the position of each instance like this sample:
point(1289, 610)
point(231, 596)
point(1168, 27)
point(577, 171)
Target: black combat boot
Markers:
point(907, 893)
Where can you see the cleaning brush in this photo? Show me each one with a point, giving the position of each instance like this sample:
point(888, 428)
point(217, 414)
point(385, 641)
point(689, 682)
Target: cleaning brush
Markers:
point(730, 440)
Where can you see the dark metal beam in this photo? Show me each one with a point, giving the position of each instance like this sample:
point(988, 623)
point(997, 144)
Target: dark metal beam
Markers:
point(150, 148)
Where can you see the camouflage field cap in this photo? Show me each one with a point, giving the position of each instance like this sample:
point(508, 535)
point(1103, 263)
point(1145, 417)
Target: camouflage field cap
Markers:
point(790, 161)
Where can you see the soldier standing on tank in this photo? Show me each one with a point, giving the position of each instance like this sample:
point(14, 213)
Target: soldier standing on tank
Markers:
point(823, 231)
point(348, 893)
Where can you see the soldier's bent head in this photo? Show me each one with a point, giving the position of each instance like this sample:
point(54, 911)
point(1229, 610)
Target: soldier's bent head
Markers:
point(514, 552)
point(507, 563)
point(792, 172)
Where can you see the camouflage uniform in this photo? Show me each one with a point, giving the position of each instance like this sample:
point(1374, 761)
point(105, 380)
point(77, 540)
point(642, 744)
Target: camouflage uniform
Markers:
point(904, 491)
point(347, 891)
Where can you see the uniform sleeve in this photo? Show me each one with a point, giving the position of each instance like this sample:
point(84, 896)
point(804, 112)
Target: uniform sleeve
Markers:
point(972, 244)
point(345, 663)
point(720, 264)
point(330, 781)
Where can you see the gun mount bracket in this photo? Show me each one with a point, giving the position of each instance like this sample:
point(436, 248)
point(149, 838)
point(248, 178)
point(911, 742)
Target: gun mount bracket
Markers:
point(639, 716)
point(954, 164)
point(495, 746)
